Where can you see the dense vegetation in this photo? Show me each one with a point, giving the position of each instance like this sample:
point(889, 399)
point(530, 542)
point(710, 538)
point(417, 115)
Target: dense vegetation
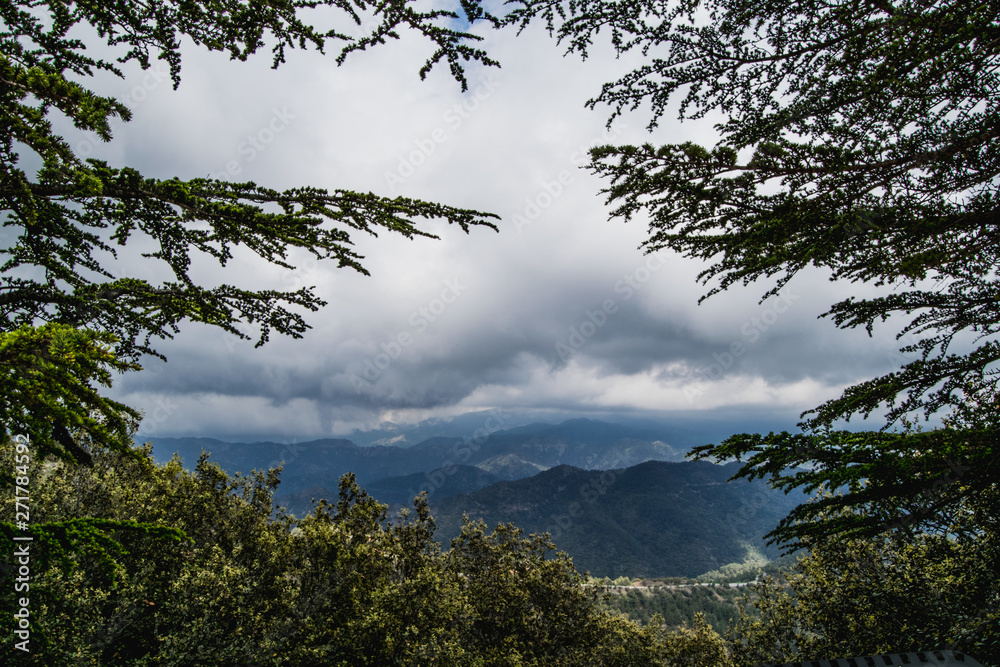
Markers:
point(69, 320)
point(675, 607)
point(342, 586)
point(892, 593)
point(242, 584)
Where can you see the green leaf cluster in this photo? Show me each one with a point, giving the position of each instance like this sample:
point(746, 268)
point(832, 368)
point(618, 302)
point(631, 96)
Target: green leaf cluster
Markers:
point(887, 594)
point(47, 378)
point(242, 583)
point(905, 482)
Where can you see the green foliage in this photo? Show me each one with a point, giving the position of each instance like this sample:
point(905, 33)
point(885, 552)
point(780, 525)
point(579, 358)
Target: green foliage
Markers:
point(248, 585)
point(859, 138)
point(70, 320)
point(696, 646)
point(676, 606)
point(904, 481)
point(71, 220)
point(887, 594)
point(530, 609)
point(47, 377)
point(752, 565)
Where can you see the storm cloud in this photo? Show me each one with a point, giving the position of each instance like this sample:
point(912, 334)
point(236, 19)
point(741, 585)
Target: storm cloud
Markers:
point(560, 310)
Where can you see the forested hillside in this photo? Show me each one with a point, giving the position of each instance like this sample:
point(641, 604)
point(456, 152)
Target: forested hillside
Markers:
point(677, 605)
point(158, 565)
point(655, 519)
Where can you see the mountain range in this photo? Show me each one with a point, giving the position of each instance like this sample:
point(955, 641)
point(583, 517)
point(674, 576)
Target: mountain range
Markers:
point(503, 454)
point(655, 519)
point(618, 498)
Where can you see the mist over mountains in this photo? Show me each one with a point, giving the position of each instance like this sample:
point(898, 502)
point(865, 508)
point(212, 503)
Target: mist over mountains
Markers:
point(473, 424)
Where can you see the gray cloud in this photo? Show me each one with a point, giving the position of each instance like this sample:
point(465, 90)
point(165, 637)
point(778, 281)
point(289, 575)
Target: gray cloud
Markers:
point(559, 311)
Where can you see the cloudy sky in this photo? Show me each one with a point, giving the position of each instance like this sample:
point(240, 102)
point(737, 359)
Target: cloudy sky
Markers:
point(558, 312)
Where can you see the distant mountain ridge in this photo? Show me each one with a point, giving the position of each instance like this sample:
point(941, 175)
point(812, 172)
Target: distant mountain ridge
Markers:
point(472, 423)
point(506, 454)
point(619, 499)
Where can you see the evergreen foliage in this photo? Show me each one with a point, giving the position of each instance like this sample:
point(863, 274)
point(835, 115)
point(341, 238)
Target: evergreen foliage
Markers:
point(887, 594)
point(857, 137)
point(46, 378)
point(905, 482)
point(72, 218)
point(675, 607)
point(860, 138)
point(69, 320)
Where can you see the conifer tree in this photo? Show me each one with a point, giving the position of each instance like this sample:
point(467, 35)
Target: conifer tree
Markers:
point(859, 137)
point(68, 220)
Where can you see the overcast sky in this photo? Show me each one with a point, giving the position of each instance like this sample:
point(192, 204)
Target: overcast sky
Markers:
point(560, 310)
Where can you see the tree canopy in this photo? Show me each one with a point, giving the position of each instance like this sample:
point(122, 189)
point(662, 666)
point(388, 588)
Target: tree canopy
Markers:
point(69, 319)
point(248, 584)
point(859, 137)
point(69, 219)
point(887, 594)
